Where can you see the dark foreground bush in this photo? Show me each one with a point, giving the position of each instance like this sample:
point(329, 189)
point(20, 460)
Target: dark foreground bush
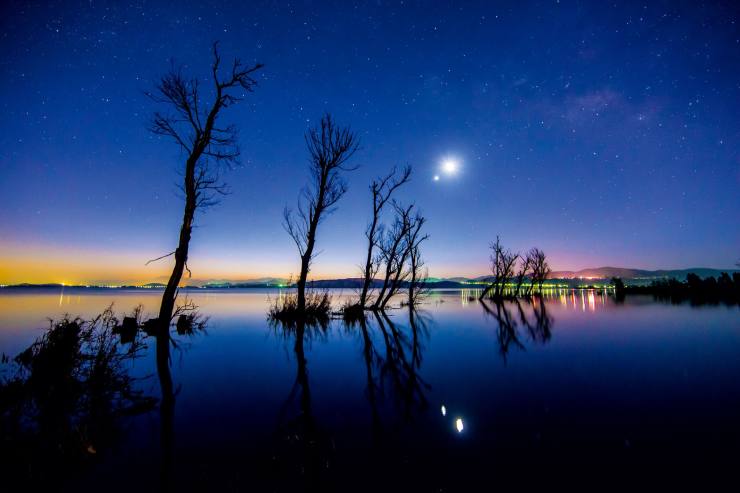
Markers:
point(62, 399)
point(353, 312)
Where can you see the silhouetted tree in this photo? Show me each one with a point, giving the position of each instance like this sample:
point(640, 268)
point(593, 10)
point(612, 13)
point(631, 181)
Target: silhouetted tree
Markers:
point(396, 250)
point(193, 123)
point(382, 189)
point(502, 268)
point(540, 267)
point(417, 276)
point(524, 266)
point(618, 288)
point(409, 246)
point(391, 250)
point(693, 281)
point(329, 149)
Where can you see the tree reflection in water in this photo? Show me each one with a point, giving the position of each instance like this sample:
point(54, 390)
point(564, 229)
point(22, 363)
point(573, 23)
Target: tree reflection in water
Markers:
point(305, 455)
point(539, 330)
point(399, 368)
point(304, 450)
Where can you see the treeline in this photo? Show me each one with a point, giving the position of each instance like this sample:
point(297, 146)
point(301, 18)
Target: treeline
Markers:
point(724, 288)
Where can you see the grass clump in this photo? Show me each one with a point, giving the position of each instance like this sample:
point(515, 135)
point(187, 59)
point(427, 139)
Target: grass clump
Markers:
point(352, 312)
point(317, 310)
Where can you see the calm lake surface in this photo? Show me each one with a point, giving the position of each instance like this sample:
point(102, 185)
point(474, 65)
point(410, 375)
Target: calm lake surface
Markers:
point(457, 395)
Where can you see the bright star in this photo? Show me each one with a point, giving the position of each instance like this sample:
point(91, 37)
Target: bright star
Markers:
point(436, 177)
point(450, 166)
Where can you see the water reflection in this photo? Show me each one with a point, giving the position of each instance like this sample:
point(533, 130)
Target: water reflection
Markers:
point(587, 299)
point(399, 369)
point(166, 408)
point(303, 450)
point(402, 394)
point(538, 325)
point(64, 397)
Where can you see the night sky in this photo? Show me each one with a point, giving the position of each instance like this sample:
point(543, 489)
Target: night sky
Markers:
point(604, 133)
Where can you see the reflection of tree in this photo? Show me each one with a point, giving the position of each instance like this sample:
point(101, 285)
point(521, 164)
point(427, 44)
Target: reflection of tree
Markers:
point(372, 359)
point(399, 369)
point(544, 322)
point(63, 405)
point(506, 332)
point(304, 448)
point(166, 407)
point(539, 329)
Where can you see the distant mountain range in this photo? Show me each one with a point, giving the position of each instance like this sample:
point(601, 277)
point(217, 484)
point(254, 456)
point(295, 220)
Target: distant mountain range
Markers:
point(451, 282)
point(625, 273)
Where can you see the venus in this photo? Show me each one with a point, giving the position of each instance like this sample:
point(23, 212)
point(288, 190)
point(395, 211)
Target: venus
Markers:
point(450, 166)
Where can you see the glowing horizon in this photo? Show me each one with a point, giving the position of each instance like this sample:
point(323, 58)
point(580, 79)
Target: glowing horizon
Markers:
point(74, 266)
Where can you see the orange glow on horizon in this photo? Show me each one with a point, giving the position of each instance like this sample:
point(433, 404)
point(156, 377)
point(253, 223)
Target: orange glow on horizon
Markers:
point(35, 265)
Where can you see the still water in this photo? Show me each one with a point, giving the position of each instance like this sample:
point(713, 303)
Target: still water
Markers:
point(457, 396)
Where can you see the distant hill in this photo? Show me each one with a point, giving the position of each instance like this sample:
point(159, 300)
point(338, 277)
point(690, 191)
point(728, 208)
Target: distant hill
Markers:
point(626, 273)
point(356, 283)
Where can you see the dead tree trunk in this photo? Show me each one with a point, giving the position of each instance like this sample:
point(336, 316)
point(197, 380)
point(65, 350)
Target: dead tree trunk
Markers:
point(181, 253)
point(329, 148)
point(193, 126)
point(540, 267)
point(502, 268)
point(382, 189)
point(392, 251)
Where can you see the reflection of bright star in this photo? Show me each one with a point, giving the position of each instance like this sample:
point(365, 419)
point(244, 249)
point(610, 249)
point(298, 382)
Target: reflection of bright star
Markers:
point(449, 166)
point(436, 177)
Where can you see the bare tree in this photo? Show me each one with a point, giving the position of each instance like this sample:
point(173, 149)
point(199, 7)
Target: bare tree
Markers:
point(525, 263)
point(329, 149)
point(417, 277)
point(540, 267)
point(502, 268)
point(392, 249)
point(410, 230)
point(193, 124)
point(382, 189)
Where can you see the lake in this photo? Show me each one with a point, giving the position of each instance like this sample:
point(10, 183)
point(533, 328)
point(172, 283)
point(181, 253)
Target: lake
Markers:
point(458, 396)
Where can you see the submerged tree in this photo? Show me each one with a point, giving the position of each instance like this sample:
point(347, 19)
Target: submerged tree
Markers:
point(382, 189)
point(193, 123)
point(503, 261)
point(540, 268)
point(417, 274)
point(395, 251)
point(329, 148)
point(525, 264)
